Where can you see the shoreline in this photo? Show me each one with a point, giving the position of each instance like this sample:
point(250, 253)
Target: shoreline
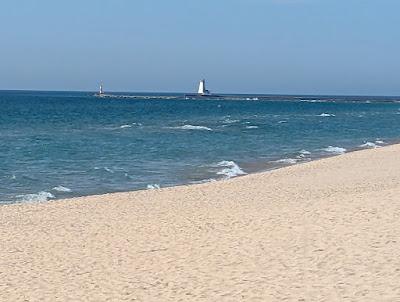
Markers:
point(274, 165)
point(322, 230)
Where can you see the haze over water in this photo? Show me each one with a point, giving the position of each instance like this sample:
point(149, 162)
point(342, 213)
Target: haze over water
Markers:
point(57, 145)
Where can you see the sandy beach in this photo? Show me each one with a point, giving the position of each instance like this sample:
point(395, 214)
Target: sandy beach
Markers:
point(326, 230)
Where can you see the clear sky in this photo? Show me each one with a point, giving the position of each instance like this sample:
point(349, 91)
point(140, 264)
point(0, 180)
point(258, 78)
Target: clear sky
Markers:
point(242, 46)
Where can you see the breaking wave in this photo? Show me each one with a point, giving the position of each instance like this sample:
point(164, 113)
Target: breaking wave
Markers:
point(62, 189)
point(303, 154)
point(39, 197)
point(289, 161)
point(230, 169)
point(326, 115)
point(369, 145)
point(336, 150)
point(230, 121)
point(153, 187)
point(251, 127)
point(191, 127)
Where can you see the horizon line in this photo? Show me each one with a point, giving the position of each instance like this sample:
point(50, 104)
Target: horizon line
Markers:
point(183, 93)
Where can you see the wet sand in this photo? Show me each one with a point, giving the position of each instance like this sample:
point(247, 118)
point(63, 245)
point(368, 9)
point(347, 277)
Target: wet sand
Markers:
point(327, 230)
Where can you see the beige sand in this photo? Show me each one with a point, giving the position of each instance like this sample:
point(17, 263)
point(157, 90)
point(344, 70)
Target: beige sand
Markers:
point(328, 230)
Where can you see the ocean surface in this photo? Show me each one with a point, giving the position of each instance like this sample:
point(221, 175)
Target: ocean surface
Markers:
point(65, 144)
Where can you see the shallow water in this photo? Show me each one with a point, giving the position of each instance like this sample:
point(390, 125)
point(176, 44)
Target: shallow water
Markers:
point(62, 144)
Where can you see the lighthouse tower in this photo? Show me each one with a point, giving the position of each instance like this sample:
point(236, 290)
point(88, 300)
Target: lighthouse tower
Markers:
point(202, 88)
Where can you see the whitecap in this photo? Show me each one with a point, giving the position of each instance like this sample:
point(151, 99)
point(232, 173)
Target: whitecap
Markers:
point(369, 145)
point(105, 169)
point(61, 189)
point(125, 126)
point(39, 197)
point(230, 169)
point(13, 177)
point(191, 127)
point(326, 115)
point(380, 142)
point(229, 121)
point(251, 127)
point(337, 150)
point(153, 187)
point(282, 122)
point(305, 152)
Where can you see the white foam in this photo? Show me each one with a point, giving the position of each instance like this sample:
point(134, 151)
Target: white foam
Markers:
point(230, 169)
point(305, 152)
point(229, 121)
point(251, 127)
point(153, 187)
point(290, 161)
point(105, 169)
point(125, 126)
point(326, 115)
point(61, 189)
point(369, 145)
point(282, 122)
point(39, 197)
point(192, 127)
point(337, 150)
point(13, 177)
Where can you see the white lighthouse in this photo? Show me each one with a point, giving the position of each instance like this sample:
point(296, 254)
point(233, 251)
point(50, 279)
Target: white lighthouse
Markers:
point(202, 88)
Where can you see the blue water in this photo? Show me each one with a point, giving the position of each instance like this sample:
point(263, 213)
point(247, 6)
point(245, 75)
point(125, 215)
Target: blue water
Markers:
point(62, 144)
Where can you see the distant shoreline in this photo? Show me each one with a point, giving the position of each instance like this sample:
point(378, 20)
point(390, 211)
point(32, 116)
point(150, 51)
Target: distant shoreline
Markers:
point(271, 95)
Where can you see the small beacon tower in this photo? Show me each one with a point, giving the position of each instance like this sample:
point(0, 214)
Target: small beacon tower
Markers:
point(202, 88)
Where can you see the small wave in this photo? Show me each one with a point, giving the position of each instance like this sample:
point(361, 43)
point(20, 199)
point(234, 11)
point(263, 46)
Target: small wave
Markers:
point(369, 145)
point(61, 189)
point(251, 127)
point(13, 177)
point(282, 122)
point(153, 187)
point(230, 121)
point(290, 161)
point(39, 197)
point(337, 150)
point(230, 169)
point(191, 127)
point(125, 126)
point(303, 153)
point(326, 115)
point(380, 142)
point(105, 169)
point(312, 101)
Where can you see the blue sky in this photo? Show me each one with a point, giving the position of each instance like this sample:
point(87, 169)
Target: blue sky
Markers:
point(242, 46)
